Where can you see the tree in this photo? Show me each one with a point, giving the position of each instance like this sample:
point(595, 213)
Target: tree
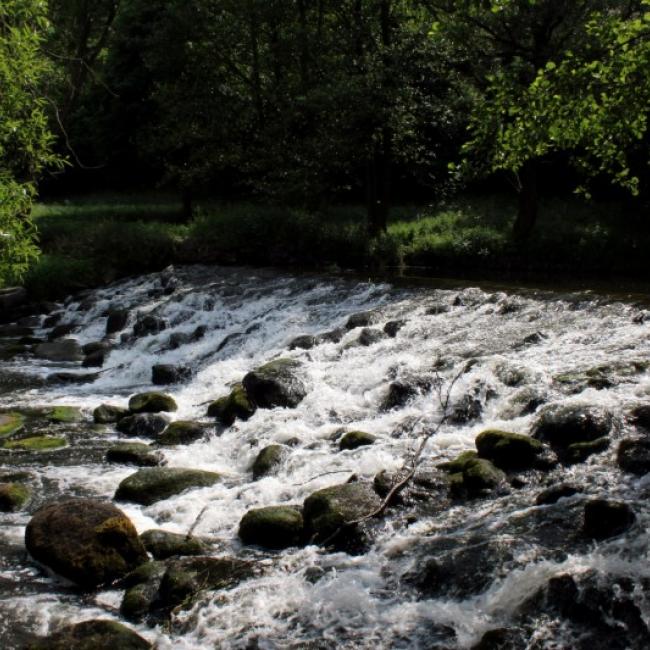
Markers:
point(506, 43)
point(25, 138)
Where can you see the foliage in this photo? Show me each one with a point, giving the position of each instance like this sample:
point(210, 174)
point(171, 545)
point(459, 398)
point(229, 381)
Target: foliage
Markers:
point(25, 139)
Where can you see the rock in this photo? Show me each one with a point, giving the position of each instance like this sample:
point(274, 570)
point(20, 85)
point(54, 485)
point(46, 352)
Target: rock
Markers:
point(500, 639)
point(562, 425)
point(10, 423)
point(459, 463)
point(186, 577)
point(64, 350)
point(96, 346)
point(52, 319)
point(355, 439)
point(393, 327)
point(640, 416)
point(466, 410)
point(436, 310)
point(275, 384)
point(508, 451)
point(108, 414)
point(92, 635)
point(177, 339)
point(305, 342)
point(237, 405)
point(141, 593)
point(63, 414)
point(333, 336)
point(369, 336)
point(72, 377)
point(273, 527)
point(481, 475)
point(399, 394)
point(35, 443)
point(15, 331)
point(148, 325)
point(133, 453)
point(163, 544)
point(60, 331)
point(116, 321)
point(13, 496)
point(268, 460)
point(87, 541)
point(164, 374)
point(181, 432)
point(149, 485)
point(152, 402)
point(578, 452)
point(327, 510)
point(555, 493)
point(12, 297)
point(142, 425)
point(633, 456)
point(94, 360)
point(603, 519)
point(362, 319)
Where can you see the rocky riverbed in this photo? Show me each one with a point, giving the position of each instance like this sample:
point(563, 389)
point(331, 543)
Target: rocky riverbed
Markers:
point(223, 458)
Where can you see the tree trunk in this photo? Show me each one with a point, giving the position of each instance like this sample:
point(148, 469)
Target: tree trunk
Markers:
point(378, 183)
point(186, 199)
point(527, 215)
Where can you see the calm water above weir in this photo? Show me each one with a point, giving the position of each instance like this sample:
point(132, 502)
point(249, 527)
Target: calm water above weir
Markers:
point(443, 567)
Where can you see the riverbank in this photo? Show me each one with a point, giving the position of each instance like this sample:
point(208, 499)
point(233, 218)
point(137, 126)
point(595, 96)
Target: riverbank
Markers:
point(94, 240)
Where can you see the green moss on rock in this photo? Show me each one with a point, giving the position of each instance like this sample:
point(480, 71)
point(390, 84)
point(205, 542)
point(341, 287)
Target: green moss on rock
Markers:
point(152, 402)
point(508, 450)
point(181, 432)
point(356, 439)
point(273, 527)
point(163, 544)
point(65, 414)
point(133, 453)
point(580, 451)
point(459, 463)
point(268, 460)
point(229, 408)
point(13, 496)
point(155, 484)
point(35, 443)
point(10, 423)
point(108, 414)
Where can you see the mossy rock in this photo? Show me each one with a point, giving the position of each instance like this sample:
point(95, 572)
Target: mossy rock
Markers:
point(187, 577)
point(276, 384)
point(143, 425)
point(634, 456)
point(65, 414)
point(142, 587)
point(356, 439)
point(163, 544)
point(459, 463)
point(580, 451)
point(10, 423)
point(133, 453)
point(152, 402)
point(35, 443)
point(327, 510)
point(268, 460)
point(87, 541)
point(13, 496)
point(562, 425)
point(149, 485)
point(480, 475)
point(273, 527)
point(181, 432)
point(235, 406)
point(508, 451)
point(92, 635)
point(108, 414)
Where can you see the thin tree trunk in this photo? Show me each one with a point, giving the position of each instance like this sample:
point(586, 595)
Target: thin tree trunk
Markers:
point(187, 210)
point(528, 200)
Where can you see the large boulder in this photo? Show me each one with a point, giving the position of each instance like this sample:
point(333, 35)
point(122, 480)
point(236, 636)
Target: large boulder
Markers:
point(181, 432)
point(603, 518)
point(63, 350)
point(634, 456)
point(328, 510)
point(472, 476)
point(149, 485)
point(273, 527)
point(92, 635)
point(116, 321)
point(152, 402)
point(276, 384)
point(562, 425)
point(268, 460)
point(162, 544)
point(87, 541)
point(143, 425)
point(235, 406)
point(508, 451)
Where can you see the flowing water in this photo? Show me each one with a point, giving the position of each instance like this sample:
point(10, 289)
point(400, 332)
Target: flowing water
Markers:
point(505, 548)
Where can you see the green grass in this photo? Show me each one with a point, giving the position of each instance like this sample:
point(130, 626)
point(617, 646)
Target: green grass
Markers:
point(97, 239)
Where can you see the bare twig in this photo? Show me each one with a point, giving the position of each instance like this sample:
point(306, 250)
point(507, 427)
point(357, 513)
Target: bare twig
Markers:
point(313, 478)
point(190, 532)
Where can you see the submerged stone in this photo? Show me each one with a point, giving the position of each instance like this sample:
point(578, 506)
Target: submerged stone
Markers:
point(155, 484)
point(273, 527)
point(90, 542)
